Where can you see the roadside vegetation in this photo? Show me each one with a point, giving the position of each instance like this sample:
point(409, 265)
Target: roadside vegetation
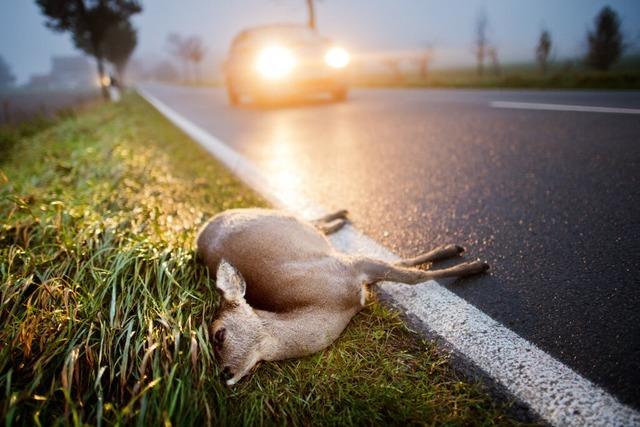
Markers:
point(104, 312)
point(608, 63)
point(11, 134)
point(559, 75)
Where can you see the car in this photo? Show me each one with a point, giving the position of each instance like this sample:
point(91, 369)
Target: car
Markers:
point(272, 62)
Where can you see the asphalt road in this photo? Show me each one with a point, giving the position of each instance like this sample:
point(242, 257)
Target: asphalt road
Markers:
point(550, 198)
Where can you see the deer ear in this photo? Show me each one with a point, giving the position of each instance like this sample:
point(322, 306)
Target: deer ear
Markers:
point(230, 282)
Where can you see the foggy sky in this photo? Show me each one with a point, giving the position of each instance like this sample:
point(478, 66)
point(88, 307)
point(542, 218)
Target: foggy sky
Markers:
point(359, 25)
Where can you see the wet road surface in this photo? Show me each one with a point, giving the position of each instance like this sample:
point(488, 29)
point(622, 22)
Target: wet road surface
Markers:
point(550, 198)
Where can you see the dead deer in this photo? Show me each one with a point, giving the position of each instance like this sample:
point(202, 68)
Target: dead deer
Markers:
point(286, 292)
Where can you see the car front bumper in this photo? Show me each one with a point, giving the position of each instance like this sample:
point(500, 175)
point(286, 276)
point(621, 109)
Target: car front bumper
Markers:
point(296, 83)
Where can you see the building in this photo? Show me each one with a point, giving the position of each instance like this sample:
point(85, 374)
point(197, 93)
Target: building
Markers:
point(67, 72)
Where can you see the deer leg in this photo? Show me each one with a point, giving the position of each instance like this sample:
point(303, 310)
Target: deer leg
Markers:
point(461, 270)
point(438, 254)
point(341, 214)
point(331, 227)
point(378, 271)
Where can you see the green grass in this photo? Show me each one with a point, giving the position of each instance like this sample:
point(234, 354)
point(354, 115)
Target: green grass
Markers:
point(509, 80)
point(11, 134)
point(104, 312)
point(625, 75)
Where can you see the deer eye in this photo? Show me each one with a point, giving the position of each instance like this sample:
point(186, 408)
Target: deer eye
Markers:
point(218, 337)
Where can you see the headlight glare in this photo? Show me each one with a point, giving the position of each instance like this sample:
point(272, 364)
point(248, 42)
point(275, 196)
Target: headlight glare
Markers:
point(337, 57)
point(275, 62)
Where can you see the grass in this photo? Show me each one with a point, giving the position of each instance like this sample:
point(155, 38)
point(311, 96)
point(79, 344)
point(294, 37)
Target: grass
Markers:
point(571, 74)
point(11, 134)
point(466, 79)
point(104, 312)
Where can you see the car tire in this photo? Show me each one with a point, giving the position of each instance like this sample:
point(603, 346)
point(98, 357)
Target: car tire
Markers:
point(232, 94)
point(261, 99)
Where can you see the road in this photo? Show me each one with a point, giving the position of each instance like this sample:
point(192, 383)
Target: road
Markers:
point(550, 198)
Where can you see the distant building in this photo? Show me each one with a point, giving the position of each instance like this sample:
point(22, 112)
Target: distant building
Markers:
point(39, 81)
point(67, 72)
point(72, 72)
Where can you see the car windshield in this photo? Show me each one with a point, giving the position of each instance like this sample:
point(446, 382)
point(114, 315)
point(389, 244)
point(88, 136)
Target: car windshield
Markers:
point(291, 35)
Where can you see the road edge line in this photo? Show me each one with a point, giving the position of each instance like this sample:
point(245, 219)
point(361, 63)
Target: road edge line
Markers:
point(551, 389)
point(562, 107)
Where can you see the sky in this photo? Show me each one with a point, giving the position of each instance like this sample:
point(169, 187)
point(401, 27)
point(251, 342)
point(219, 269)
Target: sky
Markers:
point(363, 26)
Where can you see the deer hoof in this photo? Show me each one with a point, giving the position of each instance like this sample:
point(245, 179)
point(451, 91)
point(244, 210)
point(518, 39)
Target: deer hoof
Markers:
point(477, 267)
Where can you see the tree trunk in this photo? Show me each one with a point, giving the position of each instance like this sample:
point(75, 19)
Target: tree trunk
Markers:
point(543, 67)
point(424, 68)
point(103, 87)
point(97, 51)
point(120, 70)
point(312, 14)
point(480, 61)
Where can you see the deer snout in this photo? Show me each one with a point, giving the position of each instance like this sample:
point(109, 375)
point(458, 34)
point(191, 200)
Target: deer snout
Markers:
point(226, 374)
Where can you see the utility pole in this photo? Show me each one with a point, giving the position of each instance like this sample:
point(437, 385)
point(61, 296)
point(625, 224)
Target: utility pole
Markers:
point(312, 14)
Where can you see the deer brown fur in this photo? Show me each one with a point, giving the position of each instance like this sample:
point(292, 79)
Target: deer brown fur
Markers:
point(286, 292)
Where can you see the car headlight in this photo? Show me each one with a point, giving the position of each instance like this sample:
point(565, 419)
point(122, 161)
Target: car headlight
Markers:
point(337, 57)
point(275, 62)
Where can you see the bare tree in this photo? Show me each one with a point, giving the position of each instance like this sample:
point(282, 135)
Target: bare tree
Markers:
point(481, 42)
point(394, 66)
point(189, 51)
point(195, 51)
point(176, 46)
point(492, 52)
point(424, 61)
point(542, 51)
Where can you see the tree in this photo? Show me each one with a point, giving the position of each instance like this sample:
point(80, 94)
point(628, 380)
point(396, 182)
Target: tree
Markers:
point(188, 50)
point(423, 61)
point(120, 41)
point(492, 52)
point(605, 41)
point(195, 53)
point(481, 41)
point(542, 51)
point(7, 79)
point(89, 21)
point(394, 66)
point(177, 48)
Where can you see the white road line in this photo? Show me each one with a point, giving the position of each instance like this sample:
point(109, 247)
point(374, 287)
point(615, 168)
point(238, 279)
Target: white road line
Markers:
point(554, 391)
point(561, 107)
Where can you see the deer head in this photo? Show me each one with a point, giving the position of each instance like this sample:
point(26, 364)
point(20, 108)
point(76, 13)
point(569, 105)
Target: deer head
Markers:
point(238, 333)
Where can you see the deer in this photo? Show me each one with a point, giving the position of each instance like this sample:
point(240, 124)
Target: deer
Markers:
point(286, 292)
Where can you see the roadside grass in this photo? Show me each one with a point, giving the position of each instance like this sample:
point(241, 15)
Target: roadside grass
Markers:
point(104, 312)
point(11, 134)
point(22, 104)
point(522, 80)
point(560, 75)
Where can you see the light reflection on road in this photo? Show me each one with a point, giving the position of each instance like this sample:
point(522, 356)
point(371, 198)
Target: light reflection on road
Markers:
point(290, 163)
point(283, 172)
